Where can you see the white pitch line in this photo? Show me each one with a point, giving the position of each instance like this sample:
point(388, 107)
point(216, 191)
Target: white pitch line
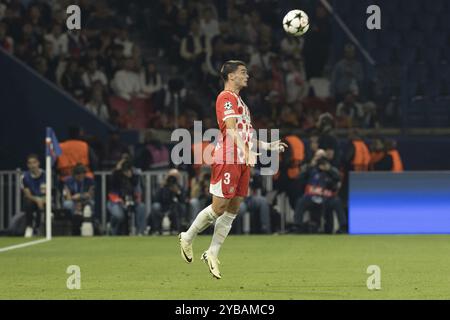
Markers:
point(23, 245)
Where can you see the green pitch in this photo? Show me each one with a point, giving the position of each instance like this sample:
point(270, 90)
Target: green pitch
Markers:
point(253, 267)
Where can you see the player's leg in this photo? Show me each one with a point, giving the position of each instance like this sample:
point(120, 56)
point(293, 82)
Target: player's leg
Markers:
point(223, 201)
point(224, 224)
point(233, 183)
point(236, 189)
point(29, 207)
point(207, 216)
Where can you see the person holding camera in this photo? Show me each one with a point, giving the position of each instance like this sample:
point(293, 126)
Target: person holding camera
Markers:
point(322, 182)
point(125, 197)
point(171, 200)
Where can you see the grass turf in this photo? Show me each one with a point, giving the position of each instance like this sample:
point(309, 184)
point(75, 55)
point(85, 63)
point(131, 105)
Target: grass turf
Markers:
point(253, 267)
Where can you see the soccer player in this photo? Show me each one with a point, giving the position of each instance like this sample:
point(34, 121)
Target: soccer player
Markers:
point(230, 171)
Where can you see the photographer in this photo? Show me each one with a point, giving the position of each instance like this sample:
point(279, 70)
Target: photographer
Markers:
point(125, 196)
point(171, 200)
point(322, 182)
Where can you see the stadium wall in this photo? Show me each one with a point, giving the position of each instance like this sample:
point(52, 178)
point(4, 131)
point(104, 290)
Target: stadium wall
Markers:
point(399, 203)
point(29, 103)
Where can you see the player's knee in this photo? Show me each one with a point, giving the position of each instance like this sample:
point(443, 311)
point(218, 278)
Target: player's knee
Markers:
point(234, 205)
point(219, 208)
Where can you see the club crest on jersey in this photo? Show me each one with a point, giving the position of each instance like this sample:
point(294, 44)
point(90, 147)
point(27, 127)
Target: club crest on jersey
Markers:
point(228, 105)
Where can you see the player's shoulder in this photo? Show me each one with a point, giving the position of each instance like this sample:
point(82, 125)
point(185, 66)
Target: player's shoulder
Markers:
point(227, 95)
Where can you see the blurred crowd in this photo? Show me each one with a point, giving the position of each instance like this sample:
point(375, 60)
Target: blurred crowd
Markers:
point(312, 184)
point(154, 65)
point(167, 54)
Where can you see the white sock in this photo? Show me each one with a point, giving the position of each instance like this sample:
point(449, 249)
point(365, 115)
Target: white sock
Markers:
point(221, 230)
point(204, 219)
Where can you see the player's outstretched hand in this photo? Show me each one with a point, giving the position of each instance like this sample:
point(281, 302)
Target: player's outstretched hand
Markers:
point(277, 146)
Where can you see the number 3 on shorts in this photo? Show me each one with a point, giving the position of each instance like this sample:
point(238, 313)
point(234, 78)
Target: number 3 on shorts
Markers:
point(227, 178)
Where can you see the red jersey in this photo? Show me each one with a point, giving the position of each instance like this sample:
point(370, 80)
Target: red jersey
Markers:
point(230, 105)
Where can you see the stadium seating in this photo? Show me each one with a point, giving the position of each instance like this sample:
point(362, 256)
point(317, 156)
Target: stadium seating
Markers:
point(135, 113)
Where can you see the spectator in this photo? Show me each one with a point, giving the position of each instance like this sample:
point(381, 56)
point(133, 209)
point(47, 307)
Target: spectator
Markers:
point(114, 150)
point(296, 84)
point(78, 42)
point(171, 201)
point(358, 156)
point(136, 55)
point(30, 38)
point(236, 24)
point(125, 197)
point(288, 119)
point(194, 48)
point(6, 42)
point(391, 147)
point(97, 104)
point(2, 10)
point(254, 25)
point(93, 74)
point(126, 83)
point(41, 66)
point(114, 62)
point(101, 19)
point(150, 78)
point(166, 13)
point(180, 31)
point(51, 59)
point(322, 182)
point(347, 75)
point(313, 146)
point(209, 25)
point(370, 119)
point(327, 139)
point(58, 40)
point(75, 151)
point(287, 180)
point(72, 80)
point(380, 159)
point(35, 20)
point(349, 113)
point(292, 47)
point(13, 18)
point(78, 193)
point(33, 188)
point(317, 43)
point(105, 45)
point(262, 57)
point(123, 39)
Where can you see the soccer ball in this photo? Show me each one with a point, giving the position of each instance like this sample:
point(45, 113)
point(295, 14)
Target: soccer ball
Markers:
point(296, 22)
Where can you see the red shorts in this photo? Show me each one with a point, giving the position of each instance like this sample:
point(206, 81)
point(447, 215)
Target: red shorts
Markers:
point(229, 180)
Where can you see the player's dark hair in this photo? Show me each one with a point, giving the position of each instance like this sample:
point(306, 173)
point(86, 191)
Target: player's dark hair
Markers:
point(230, 67)
point(33, 156)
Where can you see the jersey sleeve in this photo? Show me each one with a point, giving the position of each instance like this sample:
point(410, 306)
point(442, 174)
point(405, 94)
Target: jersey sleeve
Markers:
point(226, 107)
point(23, 182)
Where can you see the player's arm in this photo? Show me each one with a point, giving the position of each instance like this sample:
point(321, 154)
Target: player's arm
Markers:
point(249, 156)
point(28, 195)
point(278, 145)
